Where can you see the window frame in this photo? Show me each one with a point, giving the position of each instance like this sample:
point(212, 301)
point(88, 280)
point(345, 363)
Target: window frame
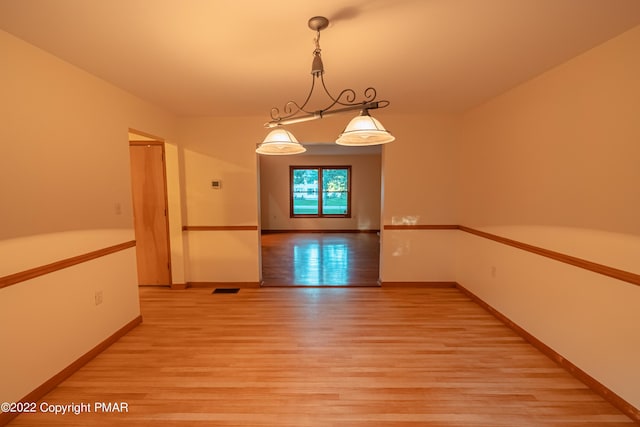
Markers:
point(320, 169)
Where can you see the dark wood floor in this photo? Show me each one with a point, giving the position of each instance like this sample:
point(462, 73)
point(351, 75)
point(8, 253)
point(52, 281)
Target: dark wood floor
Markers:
point(325, 357)
point(320, 259)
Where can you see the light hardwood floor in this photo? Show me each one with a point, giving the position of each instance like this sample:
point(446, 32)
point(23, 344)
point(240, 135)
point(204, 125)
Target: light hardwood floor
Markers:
point(324, 357)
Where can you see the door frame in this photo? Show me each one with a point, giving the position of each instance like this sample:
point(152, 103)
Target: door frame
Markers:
point(137, 138)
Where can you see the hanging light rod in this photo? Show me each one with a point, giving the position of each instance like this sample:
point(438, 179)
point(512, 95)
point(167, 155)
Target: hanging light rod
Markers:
point(371, 105)
point(293, 112)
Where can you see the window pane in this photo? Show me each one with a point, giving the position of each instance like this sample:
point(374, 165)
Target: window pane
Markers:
point(334, 203)
point(334, 191)
point(305, 191)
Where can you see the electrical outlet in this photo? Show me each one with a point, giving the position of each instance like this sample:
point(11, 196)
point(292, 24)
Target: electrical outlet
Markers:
point(98, 297)
point(493, 271)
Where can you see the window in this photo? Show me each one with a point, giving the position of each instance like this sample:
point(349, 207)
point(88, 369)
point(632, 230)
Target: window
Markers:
point(320, 191)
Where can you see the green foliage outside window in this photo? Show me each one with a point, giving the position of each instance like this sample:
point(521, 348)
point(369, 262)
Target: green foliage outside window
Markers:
point(311, 199)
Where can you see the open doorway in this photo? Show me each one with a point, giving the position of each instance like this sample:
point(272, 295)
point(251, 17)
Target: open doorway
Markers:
point(321, 250)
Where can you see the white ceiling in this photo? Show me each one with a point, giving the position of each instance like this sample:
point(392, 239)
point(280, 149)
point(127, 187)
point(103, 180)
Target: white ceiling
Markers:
point(231, 58)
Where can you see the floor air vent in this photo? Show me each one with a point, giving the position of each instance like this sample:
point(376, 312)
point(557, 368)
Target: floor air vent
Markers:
point(226, 290)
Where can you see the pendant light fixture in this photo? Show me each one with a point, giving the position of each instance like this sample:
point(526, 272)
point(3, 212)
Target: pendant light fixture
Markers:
point(362, 130)
point(280, 142)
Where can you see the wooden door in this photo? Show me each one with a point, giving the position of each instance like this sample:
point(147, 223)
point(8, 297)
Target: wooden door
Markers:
point(151, 223)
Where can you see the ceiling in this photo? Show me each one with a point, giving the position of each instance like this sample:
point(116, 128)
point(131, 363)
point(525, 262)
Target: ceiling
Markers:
point(236, 58)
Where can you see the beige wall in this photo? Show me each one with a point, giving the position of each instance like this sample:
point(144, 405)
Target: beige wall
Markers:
point(555, 163)
point(220, 149)
point(567, 140)
point(65, 191)
point(365, 192)
point(419, 171)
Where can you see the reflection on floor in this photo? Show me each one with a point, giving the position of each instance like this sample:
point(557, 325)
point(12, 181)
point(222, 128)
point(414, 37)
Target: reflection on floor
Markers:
point(320, 259)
